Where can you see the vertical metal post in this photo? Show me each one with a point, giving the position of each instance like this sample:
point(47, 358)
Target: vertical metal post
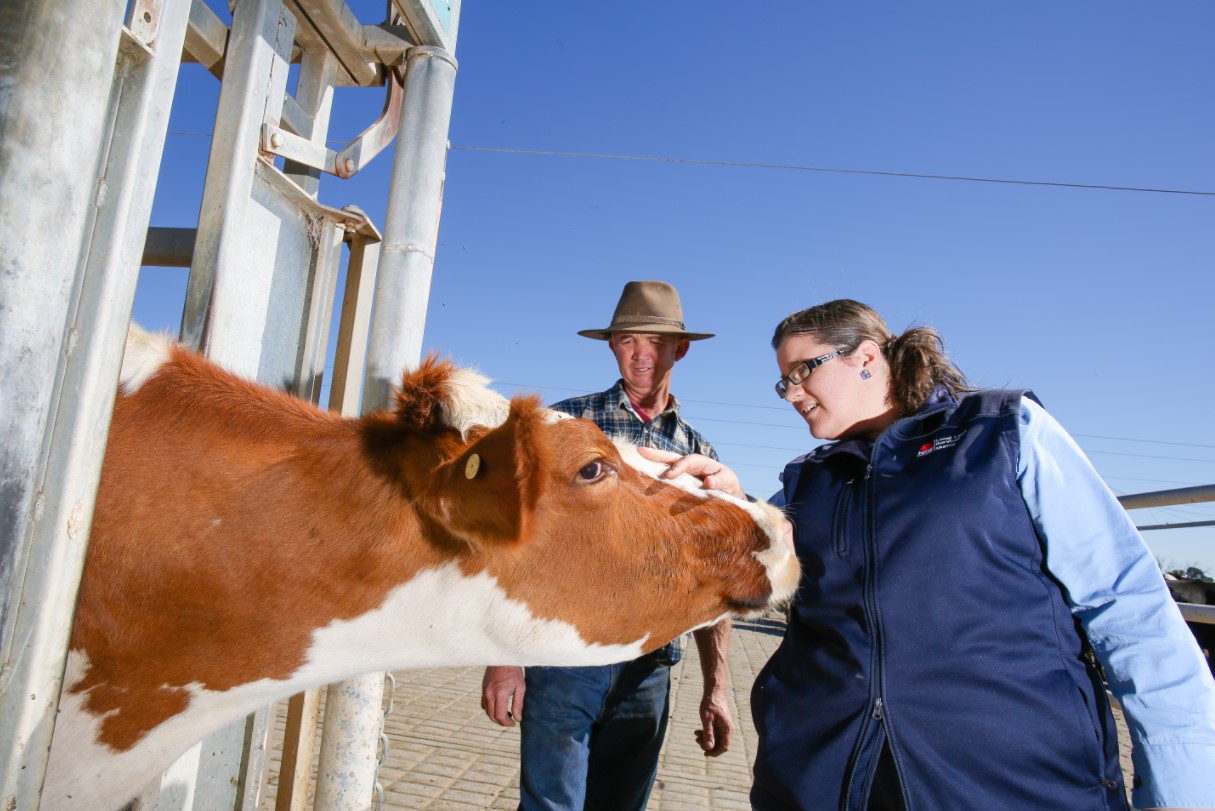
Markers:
point(314, 93)
point(327, 246)
point(411, 223)
point(411, 231)
point(47, 163)
point(350, 356)
point(80, 146)
point(217, 310)
point(295, 766)
point(227, 298)
point(345, 779)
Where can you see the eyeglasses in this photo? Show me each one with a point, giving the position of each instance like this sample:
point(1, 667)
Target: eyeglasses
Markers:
point(801, 371)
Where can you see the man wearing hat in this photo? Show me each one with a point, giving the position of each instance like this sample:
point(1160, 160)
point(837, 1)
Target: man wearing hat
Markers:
point(591, 735)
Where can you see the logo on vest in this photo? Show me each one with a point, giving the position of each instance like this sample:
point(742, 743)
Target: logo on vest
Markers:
point(939, 444)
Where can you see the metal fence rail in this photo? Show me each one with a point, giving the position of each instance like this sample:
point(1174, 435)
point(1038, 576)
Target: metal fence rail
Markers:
point(1202, 614)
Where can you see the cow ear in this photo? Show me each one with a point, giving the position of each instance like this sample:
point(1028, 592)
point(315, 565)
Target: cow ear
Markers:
point(440, 393)
point(418, 400)
point(488, 493)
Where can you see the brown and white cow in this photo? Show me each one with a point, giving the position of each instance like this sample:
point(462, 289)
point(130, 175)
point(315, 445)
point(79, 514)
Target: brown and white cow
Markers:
point(247, 545)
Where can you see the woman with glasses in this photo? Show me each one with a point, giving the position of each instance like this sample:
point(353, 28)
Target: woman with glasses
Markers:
point(965, 572)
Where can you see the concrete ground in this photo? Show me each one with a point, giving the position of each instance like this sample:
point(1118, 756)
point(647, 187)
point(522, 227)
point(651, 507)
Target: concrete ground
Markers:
point(445, 754)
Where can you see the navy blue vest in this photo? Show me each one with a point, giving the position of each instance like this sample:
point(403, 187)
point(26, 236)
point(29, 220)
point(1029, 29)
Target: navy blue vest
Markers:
point(927, 622)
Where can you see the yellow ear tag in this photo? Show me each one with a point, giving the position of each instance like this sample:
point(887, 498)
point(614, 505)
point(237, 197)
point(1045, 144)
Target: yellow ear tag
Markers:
point(472, 466)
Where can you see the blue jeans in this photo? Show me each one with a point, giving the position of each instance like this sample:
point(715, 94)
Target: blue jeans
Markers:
point(591, 735)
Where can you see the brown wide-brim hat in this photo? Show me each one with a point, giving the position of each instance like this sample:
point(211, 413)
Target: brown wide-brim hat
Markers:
point(647, 307)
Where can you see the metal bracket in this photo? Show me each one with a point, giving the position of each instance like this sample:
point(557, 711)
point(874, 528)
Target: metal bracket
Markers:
point(143, 21)
point(355, 155)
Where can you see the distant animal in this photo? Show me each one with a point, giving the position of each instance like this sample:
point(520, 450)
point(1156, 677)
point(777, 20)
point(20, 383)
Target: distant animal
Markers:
point(247, 545)
point(1193, 590)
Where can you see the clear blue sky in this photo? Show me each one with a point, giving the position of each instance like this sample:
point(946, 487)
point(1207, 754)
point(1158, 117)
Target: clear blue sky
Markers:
point(1100, 300)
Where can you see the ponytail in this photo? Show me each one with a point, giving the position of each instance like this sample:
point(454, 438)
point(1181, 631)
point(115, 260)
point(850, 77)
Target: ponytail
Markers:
point(918, 364)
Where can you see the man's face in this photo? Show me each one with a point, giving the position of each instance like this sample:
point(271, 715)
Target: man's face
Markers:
point(646, 359)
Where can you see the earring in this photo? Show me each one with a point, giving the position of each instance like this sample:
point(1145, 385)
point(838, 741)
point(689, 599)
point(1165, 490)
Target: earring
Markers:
point(865, 374)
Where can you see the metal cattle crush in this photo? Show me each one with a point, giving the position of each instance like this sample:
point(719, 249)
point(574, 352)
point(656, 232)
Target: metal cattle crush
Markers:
point(85, 92)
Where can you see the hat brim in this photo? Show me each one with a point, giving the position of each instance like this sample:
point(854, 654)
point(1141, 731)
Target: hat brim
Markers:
point(662, 329)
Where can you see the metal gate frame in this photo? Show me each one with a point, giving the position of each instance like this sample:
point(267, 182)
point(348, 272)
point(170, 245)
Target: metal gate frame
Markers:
point(81, 141)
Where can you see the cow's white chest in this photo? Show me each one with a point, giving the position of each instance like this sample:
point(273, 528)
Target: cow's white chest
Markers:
point(444, 618)
point(440, 618)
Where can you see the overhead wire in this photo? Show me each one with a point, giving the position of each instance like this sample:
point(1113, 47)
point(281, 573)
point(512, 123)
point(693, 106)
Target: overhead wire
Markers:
point(1153, 441)
point(793, 167)
point(834, 170)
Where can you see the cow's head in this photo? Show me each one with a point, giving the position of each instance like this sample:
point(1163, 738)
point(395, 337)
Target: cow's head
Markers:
point(582, 530)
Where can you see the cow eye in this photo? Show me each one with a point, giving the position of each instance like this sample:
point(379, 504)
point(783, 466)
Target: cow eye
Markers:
point(592, 472)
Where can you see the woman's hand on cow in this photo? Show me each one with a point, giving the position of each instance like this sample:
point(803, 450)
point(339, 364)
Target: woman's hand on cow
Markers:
point(502, 689)
point(713, 474)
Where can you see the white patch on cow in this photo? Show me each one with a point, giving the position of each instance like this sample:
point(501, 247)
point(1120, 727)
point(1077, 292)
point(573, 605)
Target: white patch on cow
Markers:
point(471, 402)
point(654, 470)
point(778, 560)
point(784, 570)
point(441, 618)
point(74, 743)
point(454, 619)
point(764, 514)
point(86, 775)
point(146, 352)
point(552, 417)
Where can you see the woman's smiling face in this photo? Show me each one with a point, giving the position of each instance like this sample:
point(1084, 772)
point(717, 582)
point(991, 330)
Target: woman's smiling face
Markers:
point(846, 396)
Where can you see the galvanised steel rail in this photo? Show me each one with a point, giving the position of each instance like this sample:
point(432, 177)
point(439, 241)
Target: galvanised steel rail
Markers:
point(1168, 498)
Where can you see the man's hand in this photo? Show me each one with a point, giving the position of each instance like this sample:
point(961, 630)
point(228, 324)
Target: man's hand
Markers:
point(713, 474)
point(502, 690)
point(716, 723)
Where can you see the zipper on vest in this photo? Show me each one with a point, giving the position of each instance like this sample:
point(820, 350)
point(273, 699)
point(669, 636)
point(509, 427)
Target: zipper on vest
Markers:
point(877, 712)
point(879, 706)
point(863, 762)
point(873, 732)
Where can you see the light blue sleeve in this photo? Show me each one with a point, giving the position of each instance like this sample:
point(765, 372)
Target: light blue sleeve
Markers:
point(1116, 590)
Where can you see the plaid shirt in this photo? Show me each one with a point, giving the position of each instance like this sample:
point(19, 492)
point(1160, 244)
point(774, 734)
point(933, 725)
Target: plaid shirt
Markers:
point(615, 416)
